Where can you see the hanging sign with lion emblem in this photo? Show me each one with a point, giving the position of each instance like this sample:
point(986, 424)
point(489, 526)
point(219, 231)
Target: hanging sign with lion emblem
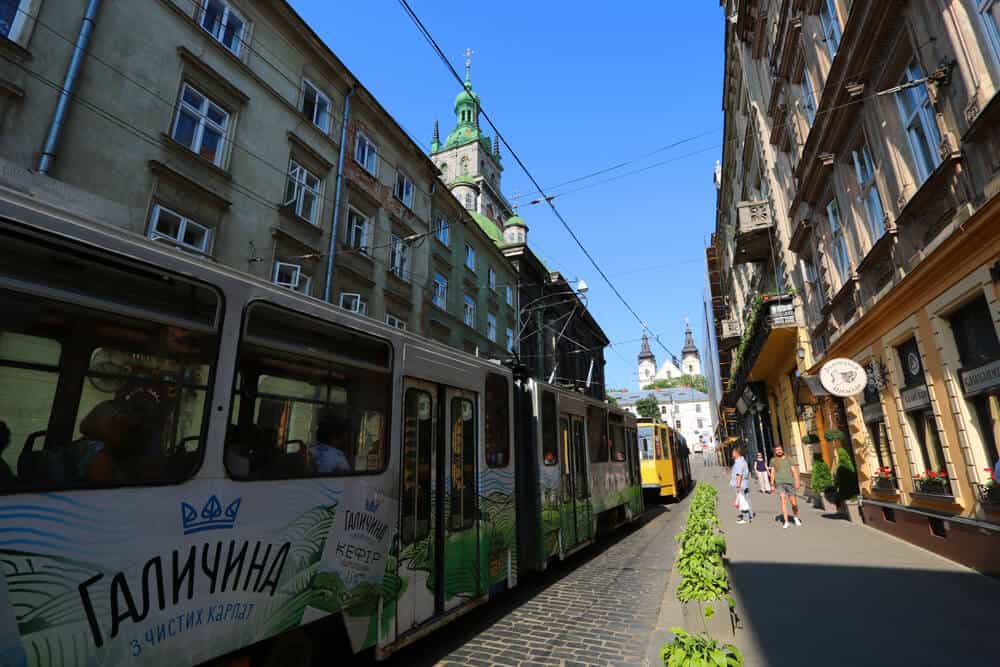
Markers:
point(843, 377)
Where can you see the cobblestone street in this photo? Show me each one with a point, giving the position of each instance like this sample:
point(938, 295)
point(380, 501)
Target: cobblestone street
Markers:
point(599, 608)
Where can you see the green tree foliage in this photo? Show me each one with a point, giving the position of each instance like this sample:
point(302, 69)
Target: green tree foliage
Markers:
point(846, 476)
point(648, 408)
point(694, 381)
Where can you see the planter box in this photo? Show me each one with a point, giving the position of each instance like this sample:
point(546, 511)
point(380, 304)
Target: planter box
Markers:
point(722, 625)
point(853, 511)
point(828, 505)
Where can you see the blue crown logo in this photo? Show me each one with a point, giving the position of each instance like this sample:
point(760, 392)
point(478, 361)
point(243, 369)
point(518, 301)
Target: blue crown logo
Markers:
point(211, 517)
point(373, 503)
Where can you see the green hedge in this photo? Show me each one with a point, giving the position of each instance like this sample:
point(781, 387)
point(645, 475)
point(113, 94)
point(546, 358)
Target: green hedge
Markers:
point(702, 547)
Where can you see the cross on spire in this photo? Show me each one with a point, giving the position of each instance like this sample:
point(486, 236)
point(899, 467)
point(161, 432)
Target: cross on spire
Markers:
point(468, 62)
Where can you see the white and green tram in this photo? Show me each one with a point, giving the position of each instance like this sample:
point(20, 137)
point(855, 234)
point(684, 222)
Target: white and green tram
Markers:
point(201, 466)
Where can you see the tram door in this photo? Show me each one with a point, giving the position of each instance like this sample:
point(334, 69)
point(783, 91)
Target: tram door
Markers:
point(438, 557)
point(575, 490)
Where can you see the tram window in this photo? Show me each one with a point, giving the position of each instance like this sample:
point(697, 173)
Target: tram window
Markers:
point(550, 438)
point(418, 434)
point(617, 439)
point(497, 422)
point(463, 463)
point(104, 370)
point(647, 452)
point(312, 399)
point(597, 434)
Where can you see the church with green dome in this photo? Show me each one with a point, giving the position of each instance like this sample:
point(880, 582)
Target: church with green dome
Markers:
point(471, 166)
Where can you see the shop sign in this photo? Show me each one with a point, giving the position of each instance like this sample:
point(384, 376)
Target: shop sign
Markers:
point(871, 412)
point(916, 398)
point(843, 377)
point(980, 379)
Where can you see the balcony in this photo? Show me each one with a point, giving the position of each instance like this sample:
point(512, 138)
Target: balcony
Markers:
point(753, 232)
point(729, 334)
point(768, 342)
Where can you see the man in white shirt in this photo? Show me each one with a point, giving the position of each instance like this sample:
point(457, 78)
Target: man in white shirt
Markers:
point(740, 480)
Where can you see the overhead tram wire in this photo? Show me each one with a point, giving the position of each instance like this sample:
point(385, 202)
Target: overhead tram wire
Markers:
point(434, 45)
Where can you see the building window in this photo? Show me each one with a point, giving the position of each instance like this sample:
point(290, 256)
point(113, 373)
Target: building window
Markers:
point(14, 16)
point(440, 297)
point(491, 327)
point(989, 12)
point(441, 232)
point(510, 295)
point(510, 339)
point(469, 311)
point(463, 165)
point(302, 192)
point(315, 106)
point(357, 231)
point(224, 23)
point(918, 121)
point(831, 26)
point(491, 279)
point(979, 350)
point(868, 195)
point(701, 423)
point(292, 277)
point(838, 241)
point(399, 257)
point(366, 153)
point(808, 99)
point(404, 189)
point(663, 410)
point(470, 201)
point(170, 226)
point(470, 257)
point(353, 302)
point(395, 322)
point(200, 125)
point(697, 407)
point(677, 424)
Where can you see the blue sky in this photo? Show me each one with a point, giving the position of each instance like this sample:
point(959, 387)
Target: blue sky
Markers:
point(574, 87)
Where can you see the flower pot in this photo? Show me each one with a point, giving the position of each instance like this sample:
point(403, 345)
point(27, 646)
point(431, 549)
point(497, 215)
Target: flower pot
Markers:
point(720, 622)
point(829, 503)
point(852, 508)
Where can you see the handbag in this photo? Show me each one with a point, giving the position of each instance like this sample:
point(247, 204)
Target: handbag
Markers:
point(744, 504)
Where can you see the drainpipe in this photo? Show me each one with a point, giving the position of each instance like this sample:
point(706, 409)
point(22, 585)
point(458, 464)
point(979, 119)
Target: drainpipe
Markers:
point(68, 88)
point(336, 194)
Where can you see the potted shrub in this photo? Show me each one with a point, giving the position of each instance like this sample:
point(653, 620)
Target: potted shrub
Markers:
point(846, 482)
point(834, 435)
point(810, 439)
point(822, 486)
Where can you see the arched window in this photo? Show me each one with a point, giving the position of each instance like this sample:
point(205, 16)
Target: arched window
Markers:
point(465, 165)
point(444, 168)
point(470, 203)
point(489, 211)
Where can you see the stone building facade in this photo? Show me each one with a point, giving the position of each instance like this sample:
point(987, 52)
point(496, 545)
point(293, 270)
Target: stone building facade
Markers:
point(229, 130)
point(858, 217)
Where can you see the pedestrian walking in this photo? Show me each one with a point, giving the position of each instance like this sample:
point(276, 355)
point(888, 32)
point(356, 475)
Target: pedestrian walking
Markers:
point(762, 472)
point(785, 478)
point(740, 480)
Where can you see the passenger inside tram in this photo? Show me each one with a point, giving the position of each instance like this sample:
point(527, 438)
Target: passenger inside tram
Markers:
point(329, 453)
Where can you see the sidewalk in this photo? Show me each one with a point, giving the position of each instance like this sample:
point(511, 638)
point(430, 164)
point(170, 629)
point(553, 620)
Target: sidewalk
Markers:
point(836, 593)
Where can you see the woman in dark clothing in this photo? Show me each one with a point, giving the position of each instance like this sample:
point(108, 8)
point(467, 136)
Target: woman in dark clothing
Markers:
point(760, 467)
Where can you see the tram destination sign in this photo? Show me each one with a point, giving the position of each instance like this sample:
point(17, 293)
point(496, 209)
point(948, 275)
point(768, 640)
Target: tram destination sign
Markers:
point(980, 379)
point(843, 377)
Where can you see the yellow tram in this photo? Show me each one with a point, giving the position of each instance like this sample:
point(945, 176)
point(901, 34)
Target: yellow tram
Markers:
point(664, 464)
